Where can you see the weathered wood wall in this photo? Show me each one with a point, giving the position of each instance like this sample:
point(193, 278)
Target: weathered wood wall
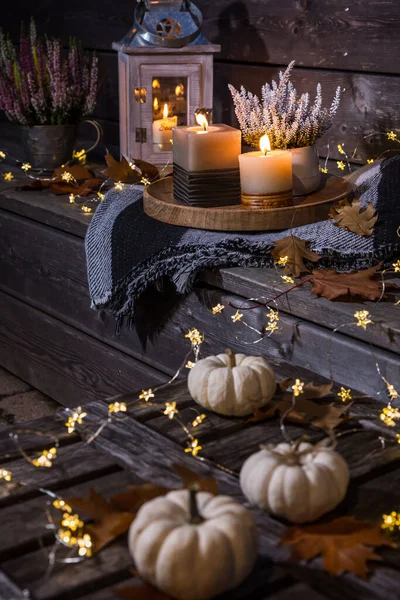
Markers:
point(351, 43)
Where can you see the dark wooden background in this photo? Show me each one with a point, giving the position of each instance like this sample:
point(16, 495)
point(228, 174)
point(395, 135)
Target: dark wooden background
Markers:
point(352, 43)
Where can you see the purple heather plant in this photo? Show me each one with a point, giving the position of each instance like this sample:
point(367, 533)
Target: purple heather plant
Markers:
point(43, 86)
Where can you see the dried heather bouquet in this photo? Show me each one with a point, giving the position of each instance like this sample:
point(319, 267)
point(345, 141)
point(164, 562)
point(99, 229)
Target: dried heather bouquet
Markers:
point(42, 86)
point(289, 120)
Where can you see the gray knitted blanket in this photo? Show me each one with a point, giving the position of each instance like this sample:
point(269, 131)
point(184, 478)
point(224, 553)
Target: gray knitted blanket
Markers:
point(128, 252)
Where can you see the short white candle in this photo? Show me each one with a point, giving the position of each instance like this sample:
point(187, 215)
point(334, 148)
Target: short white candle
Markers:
point(206, 147)
point(267, 172)
point(162, 128)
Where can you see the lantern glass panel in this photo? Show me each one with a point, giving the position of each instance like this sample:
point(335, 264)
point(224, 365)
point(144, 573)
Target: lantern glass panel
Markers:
point(169, 108)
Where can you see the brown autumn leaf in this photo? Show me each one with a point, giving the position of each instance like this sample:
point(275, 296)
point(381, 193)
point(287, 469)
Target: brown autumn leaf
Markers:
point(310, 390)
point(334, 416)
point(121, 171)
point(189, 477)
point(296, 252)
point(83, 189)
point(35, 186)
point(344, 543)
point(330, 284)
point(78, 172)
point(137, 495)
point(108, 524)
point(353, 217)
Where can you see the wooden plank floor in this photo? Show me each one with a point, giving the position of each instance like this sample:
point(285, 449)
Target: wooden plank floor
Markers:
point(141, 448)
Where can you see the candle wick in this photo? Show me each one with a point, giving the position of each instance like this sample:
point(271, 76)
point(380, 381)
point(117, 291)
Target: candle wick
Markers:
point(265, 153)
point(205, 127)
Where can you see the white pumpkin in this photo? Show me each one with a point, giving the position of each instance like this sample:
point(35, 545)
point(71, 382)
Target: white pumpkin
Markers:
point(193, 548)
point(298, 483)
point(232, 384)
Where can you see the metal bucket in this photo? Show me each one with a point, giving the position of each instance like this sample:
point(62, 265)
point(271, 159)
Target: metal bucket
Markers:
point(49, 146)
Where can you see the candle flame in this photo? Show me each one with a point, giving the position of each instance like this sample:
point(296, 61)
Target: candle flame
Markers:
point(202, 121)
point(180, 89)
point(265, 144)
point(155, 103)
point(166, 111)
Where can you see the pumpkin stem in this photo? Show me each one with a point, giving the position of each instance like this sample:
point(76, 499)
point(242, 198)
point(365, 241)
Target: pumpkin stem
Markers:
point(232, 358)
point(195, 516)
point(303, 438)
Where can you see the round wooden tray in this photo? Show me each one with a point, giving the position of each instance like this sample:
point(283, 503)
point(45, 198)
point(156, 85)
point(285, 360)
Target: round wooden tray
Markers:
point(159, 203)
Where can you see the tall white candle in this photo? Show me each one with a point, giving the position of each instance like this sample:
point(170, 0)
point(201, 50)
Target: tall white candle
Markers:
point(266, 176)
point(162, 128)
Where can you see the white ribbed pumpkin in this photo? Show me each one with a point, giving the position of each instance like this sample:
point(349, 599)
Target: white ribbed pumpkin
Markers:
point(232, 384)
point(298, 483)
point(193, 548)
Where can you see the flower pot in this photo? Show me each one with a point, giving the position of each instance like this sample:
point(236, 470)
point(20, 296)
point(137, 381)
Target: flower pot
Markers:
point(49, 146)
point(306, 173)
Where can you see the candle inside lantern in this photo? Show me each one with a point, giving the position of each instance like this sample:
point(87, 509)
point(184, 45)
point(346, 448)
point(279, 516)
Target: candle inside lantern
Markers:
point(266, 177)
point(162, 130)
point(206, 164)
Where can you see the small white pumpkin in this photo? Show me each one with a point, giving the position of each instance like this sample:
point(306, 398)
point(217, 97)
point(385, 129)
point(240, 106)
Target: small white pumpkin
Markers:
point(232, 384)
point(193, 546)
point(300, 483)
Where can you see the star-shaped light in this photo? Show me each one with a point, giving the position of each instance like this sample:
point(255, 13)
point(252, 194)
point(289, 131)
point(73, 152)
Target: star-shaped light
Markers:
point(71, 198)
point(397, 303)
point(341, 165)
point(237, 316)
point(217, 309)
point(340, 148)
point(170, 410)
point(198, 420)
point(76, 418)
point(323, 170)
point(194, 447)
point(8, 176)
point(6, 475)
point(391, 135)
point(80, 155)
point(390, 415)
point(119, 186)
point(194, 336)
point(2, 154)
point(273, 315)
point(370, 161)
point(86, 209)
point(391, 521)
point(271, 327)
point(297, 387)
point(60, 504)
point(189, 364)
point(287, 279)
point(84, 544)
point(100, 196)
point(45, 459)
point(282, 261)
point(26, 166)
point(68, 177)
point(344, 394)
point(391, 391)
point(363, 318)
point(72, 522)
point(145, 181)
point(117, 407)
point(396, 266)
point(146, 395)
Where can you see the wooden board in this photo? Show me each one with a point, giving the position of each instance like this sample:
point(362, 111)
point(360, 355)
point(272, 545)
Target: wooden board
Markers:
point(160, 204)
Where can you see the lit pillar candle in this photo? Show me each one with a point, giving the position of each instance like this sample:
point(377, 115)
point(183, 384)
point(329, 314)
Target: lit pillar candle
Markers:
point(266, 177)
point(162, 129)
point(206, 167)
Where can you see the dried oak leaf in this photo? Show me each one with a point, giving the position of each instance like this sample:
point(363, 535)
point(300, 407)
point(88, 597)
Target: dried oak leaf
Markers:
point(334, 416)
point(137, 495)
point(330, 284)
point(108, 524)
point(121, 171)
point(83, 189)
point(35, 186)
point(296, 251)
point(354, 218)
point(344, 543)
point(189, 477)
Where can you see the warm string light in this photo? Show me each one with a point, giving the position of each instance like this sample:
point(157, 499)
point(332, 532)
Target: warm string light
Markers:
point(75, 418)
point(297, 387)
point(282, 261)
point(45, 458)
point(199, 420)
point(170, 410)
point(193, 447)
point(341, 165)
point(217, 309)
point(189, 365)
point(5, 475)
point(345, 394)
point(396, 266)
point(117, 407)
point(146, 395)
point(68, 177)
point(391, 522)
point(2, 154)
point(8, 176)
point(363, 318)
point(237, 316)
point(287, 279)
point(389, 416)
point(119, 186)
point(80, 156)
point(26, 167)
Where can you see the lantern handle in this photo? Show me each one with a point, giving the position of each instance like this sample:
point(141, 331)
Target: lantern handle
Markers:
point(143, 5)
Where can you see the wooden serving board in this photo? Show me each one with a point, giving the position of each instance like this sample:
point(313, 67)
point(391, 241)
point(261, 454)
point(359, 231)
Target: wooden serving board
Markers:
point(160, 204)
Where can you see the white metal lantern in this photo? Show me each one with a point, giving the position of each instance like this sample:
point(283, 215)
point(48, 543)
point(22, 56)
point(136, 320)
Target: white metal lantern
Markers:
point(165, 75)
